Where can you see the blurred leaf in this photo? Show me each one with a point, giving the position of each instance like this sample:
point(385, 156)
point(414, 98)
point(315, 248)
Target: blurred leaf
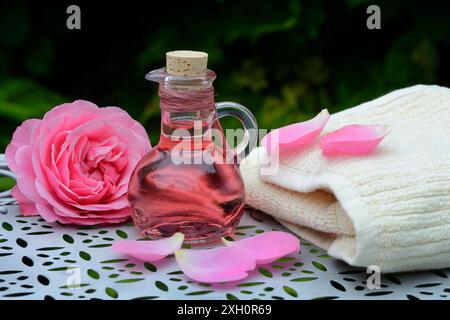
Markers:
point(6, 183)
point(255, 21)
point(21, 99)
point(251, 76)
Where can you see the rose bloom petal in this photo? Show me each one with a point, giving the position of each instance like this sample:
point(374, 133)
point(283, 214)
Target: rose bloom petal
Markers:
point(73, 166)
point(27, 208)
point(295, 136)
point(150, 251)
point(216, 265)
point(268, 246)
point(353, 140)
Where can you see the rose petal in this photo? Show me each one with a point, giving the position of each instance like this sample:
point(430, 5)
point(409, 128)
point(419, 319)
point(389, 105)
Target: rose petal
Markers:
point(296, 135)
point(92, 221)
point(216, 265)
point(150, 250)
point(27, 208)
point(353, 140)
point(21, 137)
point(268, 246)
point(48, 213)
point(25, 175)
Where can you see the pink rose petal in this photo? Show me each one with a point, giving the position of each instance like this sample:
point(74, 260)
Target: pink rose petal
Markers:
point(27, 208)
point(150, 250)
point(296, 135)
point(353, 140)
point(268, 246)
point(21, 137)
point(216, 265)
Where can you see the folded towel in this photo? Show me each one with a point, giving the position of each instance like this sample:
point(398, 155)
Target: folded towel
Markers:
point(390, 208)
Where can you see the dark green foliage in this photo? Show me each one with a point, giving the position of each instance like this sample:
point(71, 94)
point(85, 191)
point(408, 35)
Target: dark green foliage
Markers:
point(285, 60)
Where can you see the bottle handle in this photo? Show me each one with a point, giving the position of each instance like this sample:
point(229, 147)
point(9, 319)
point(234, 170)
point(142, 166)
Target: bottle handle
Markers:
point(248, 121)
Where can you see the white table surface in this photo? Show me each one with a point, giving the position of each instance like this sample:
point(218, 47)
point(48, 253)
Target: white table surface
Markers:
point(40, 260)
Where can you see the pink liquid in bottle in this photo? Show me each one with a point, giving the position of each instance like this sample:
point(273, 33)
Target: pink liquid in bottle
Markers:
point(202, 200)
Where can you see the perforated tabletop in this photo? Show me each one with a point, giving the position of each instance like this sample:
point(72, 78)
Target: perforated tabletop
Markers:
point(41, 260)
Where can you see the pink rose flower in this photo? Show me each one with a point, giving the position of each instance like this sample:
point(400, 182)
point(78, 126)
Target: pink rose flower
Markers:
point(74, 165)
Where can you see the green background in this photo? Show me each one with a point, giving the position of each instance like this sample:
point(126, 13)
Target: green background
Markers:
point(285, 60)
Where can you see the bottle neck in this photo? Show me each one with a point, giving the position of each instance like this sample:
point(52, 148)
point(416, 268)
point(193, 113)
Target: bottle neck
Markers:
point(188, 110)
point(192, 124)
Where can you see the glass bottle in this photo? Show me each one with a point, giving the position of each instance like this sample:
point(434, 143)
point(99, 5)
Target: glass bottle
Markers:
point(190, 181)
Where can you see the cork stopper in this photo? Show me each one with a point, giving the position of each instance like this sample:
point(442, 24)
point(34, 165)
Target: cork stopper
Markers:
point(186, 63)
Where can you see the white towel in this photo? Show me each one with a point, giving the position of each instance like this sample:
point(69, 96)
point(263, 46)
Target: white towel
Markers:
point(390, 208)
